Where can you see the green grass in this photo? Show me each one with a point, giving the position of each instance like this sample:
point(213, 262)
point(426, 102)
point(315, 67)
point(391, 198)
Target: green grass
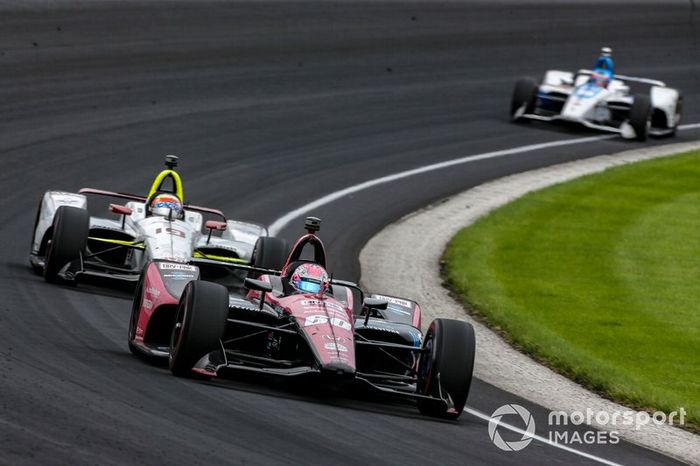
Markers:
point(600, 279)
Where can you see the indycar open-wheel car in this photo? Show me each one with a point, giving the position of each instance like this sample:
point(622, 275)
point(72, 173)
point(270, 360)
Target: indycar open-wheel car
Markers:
point(633, 107)
point(68, 243)
point(290, 323)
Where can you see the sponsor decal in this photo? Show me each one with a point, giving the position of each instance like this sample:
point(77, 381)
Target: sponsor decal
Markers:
point(171, 231)
point(334, 338)
point(316, 303)
point(311, 302)
point(172, 266)
point(392, 300)
point(147, 304)
point(321, 319)
point(383, 329)
point(336, 347)
point(342, 314)
point(66, 200)
point(179, 276)
point(153, 291)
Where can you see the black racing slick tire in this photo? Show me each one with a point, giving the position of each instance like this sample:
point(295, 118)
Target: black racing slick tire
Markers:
point(199, 325)
point(446, 367)
point(270, 253)
point(69, 238)
point(524, 93)
point(640, 116)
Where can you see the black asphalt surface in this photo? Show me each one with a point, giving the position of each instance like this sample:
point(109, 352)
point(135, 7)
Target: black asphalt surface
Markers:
point(271, 105)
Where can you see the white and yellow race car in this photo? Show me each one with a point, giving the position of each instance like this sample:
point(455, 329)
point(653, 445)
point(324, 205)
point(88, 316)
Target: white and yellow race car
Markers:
point(68, 243)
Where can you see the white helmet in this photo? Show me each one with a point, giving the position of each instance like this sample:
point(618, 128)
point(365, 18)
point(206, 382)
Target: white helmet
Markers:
point(606, 52)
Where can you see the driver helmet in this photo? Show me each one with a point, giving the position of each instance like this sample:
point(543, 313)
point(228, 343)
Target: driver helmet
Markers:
point(606, 52)
point(309, 278)
point(166, 205)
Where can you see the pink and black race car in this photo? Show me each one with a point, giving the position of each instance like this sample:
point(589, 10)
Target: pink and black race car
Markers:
point(299, 322)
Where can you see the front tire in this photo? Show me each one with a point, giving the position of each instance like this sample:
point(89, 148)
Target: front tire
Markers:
point(199, 325)
point(640, 116)
point(524, 93)
point(445, 370)
point(69, 239)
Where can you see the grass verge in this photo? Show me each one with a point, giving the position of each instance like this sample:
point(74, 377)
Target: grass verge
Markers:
point(600, 279)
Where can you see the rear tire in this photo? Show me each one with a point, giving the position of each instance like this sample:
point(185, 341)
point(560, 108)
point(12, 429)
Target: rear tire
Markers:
point(640, 116)
point(199, 325)
point(69, 239)
point(270, 253)
point(446, 369)
point(524, 93)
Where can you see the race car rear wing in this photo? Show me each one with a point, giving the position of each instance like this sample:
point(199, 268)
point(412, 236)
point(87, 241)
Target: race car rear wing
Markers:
point(135, 197)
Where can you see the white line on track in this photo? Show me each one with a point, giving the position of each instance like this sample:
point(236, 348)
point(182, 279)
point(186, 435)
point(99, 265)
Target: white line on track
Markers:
point(284, 220)
point(539, 438)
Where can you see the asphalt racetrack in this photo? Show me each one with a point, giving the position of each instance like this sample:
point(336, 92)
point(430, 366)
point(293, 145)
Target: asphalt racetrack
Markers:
point(271, 105)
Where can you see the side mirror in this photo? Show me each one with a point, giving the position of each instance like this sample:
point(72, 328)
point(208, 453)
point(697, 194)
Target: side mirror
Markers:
point(373, 304)
point(257, 285)
point(120, 209)
point(214, 225)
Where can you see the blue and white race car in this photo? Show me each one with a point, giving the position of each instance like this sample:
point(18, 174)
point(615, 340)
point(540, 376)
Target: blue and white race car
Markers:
point(600, 99)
